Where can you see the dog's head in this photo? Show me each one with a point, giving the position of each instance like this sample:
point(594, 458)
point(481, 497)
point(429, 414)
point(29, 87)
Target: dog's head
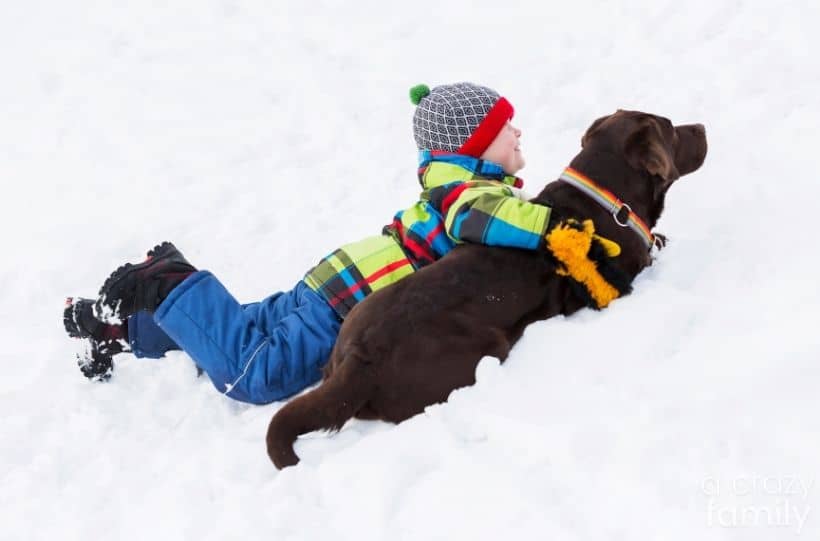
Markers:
point(652, 146)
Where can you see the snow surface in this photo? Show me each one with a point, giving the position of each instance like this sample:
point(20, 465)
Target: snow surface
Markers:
point(258, 136)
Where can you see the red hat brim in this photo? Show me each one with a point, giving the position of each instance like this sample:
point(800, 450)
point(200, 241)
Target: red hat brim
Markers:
point(487, 131)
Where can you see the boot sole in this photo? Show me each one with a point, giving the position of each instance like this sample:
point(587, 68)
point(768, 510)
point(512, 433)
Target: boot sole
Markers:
point(104, 310)
point(95, 364)
point(72, 327)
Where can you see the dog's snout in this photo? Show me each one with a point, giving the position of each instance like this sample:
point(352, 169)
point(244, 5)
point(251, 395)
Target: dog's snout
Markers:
point(692, 149)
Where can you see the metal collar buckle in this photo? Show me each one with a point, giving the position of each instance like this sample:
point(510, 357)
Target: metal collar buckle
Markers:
point(617, 211)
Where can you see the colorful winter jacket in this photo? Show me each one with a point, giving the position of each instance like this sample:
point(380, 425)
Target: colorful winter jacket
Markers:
point(464, 199)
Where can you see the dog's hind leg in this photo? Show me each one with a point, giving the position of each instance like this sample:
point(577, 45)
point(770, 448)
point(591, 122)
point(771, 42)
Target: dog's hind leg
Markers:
point(327, 407)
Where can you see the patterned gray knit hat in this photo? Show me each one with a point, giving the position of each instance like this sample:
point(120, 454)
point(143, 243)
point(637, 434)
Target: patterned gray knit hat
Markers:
point(463, 118)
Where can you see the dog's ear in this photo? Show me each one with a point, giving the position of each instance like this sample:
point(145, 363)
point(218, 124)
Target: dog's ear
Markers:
point(645, 150)
point(592, 128)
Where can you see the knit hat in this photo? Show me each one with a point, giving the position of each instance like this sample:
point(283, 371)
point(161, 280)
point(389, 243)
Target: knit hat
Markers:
point(463, 118)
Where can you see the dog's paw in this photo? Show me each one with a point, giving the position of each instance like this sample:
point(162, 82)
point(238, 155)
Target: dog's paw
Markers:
point(660, 241)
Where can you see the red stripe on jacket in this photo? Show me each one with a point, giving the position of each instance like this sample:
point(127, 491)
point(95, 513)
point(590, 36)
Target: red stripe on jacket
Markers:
point(452, 196)
point(369, 280)
point(432, 234)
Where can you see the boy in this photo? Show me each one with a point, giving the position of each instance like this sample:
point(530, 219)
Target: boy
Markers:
point(266, 351)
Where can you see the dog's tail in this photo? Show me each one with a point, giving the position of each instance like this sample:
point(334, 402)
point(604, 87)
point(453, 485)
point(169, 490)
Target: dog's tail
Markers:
point(343, 393)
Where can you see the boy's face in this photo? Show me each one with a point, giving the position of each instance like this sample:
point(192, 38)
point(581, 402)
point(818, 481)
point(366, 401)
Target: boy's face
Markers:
point(505, 150)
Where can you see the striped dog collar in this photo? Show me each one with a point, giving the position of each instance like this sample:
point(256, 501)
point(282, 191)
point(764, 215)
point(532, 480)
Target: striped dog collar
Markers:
point(615, 206)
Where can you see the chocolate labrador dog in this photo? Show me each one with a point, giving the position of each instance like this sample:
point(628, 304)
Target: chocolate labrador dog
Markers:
point(410, 345)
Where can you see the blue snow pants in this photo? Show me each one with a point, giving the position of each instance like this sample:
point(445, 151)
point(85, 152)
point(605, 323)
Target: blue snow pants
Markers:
point(258, 353)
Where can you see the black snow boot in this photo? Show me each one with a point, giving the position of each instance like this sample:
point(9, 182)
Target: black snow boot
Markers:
point(103, 340)
point(79, 322)
point(96, 362)
point(142, 286)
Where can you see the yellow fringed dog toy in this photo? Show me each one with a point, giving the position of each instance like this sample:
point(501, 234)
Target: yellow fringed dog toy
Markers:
point(583, 256)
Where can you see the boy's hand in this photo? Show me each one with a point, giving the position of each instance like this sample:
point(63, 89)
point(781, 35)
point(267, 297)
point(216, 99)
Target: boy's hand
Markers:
point(557, 216)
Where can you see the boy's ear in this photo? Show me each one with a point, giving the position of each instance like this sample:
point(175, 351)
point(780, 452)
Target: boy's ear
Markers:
point(645, 150)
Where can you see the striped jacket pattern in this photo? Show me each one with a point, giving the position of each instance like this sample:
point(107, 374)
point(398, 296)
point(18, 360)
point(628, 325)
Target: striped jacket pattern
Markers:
point(464, 199)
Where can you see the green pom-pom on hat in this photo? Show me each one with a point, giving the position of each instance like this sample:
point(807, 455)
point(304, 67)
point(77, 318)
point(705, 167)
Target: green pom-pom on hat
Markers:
point(418, 92)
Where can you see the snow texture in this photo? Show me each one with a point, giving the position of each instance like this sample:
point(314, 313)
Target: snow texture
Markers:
point(258, 136)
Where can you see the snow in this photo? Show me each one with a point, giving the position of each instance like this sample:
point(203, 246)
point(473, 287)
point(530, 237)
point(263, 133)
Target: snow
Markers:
point(259, 136)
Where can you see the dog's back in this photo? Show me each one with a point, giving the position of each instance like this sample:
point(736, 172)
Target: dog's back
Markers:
point(412, 344)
